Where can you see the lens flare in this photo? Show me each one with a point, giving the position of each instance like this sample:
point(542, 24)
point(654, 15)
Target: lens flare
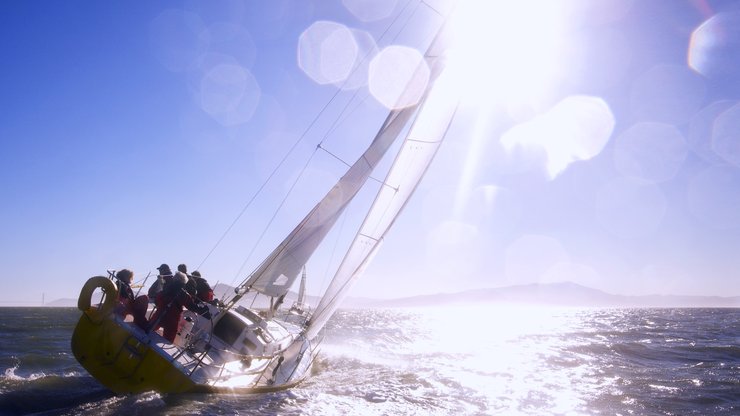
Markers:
point(398, 76)
point(575, 129)
point(327, 52)
point(653, 152)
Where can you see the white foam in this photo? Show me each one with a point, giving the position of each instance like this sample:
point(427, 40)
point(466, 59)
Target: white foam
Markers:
point(10, 374)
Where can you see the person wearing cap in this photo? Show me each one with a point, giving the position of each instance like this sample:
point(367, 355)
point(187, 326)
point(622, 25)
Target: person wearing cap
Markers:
point(129, 304)
point(170, 302)
point(165, 274)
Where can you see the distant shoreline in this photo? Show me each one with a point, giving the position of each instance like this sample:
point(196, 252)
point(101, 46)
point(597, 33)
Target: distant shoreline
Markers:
point(564, 294)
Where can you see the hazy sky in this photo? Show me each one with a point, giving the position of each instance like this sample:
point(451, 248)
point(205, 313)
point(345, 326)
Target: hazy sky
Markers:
point(596, 142)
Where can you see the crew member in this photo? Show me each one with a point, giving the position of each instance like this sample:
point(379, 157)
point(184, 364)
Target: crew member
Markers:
point(129, 304)
point(170, 302)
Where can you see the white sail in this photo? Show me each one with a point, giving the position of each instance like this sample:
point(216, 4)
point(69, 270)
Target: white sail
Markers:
point(417, 152)
point(277, 273)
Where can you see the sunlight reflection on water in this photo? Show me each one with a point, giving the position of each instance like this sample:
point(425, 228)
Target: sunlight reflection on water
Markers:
point(502, 357)
point(524, 360)
point(500, 352)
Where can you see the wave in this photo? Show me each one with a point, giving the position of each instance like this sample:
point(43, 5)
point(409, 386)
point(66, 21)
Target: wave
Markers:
point(428, 362)
point(46, 393)
point(10, 374)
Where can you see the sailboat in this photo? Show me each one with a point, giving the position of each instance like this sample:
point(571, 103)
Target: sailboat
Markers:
point(236, 347)
point(300, 307)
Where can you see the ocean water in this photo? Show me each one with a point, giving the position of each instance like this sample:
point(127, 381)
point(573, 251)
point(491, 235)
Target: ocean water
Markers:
point(448, 361)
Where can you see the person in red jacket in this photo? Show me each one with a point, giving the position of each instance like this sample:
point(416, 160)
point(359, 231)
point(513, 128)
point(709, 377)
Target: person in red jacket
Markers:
point(170, 302)
point(164, 276)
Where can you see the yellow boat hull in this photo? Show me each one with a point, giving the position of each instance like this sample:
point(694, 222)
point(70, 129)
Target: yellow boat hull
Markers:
point(126, 360)
point(117, 359)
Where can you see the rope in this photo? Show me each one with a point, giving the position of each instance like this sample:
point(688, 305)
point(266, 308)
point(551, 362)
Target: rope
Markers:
point(274, 215)
point(324, 286)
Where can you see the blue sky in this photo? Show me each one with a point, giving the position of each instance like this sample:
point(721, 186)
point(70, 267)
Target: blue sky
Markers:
point(134, 135)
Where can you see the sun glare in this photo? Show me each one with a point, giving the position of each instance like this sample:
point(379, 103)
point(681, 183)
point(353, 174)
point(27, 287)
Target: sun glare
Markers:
point(509, 54)
point(507, 51)
point(501, 350)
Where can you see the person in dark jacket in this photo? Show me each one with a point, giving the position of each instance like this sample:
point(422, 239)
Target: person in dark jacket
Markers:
point(129, 304)
point(165, 274)
point(202, 288)
point(170, 302)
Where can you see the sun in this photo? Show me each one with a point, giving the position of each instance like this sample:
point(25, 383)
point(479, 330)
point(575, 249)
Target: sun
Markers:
point(507, 51)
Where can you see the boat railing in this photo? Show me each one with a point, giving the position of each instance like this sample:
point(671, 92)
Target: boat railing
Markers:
point(198, 360)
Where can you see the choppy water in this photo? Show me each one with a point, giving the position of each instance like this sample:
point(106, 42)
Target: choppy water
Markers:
point(462, 361)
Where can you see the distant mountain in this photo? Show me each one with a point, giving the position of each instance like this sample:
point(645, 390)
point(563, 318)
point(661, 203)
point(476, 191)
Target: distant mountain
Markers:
point(560, 294)
point(554, 294)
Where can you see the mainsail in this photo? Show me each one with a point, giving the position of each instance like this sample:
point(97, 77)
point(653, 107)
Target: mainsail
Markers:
point(279, 270)
point(418, 150)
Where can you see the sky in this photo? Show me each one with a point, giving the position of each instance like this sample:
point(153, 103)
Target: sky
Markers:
point(595, 142)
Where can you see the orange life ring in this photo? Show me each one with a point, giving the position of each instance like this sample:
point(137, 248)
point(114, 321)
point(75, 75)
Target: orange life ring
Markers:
point(109, 300)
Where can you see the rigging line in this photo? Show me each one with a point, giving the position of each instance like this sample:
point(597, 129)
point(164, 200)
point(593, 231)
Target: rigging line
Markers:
point(346, 283)
point(339, 120)
point(336, 124)
point(333, 155)
point(432, 8)
point(272, 174)
point(369, 237)
point(274, 215)
point(332, 128)
point(333, 252)
point(295, 145)
point(408, 19)
point(348, 165)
